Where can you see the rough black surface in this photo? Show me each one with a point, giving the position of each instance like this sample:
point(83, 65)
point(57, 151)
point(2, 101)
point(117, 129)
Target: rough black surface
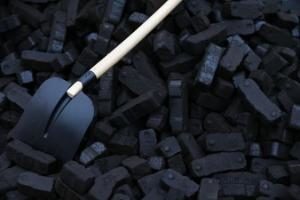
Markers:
point(207, 107)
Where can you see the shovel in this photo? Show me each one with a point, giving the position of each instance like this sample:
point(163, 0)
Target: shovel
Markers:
point(59, 114)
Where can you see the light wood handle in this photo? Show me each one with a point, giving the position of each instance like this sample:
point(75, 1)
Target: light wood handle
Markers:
point(127, 45)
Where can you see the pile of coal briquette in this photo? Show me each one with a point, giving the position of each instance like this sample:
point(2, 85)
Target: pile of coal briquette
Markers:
point(207, 107)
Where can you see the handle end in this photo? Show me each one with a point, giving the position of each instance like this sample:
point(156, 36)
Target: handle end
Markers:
point(75, 89)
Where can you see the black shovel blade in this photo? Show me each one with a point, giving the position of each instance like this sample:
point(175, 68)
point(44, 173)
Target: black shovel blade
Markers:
point(53, 122)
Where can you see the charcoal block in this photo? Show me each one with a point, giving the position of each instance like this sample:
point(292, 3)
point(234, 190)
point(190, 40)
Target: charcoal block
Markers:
point(27, 13)
point(234, 55)
point(278, 174)
point(77, 177)
point(260, 165)
point(263, 198)
point(136, 19)
point(201, 6)
point(3, 101)
point(178, 103)
point(240, 27)
point(107, 163)
point(58, 33)
point(252, 61)
point(158, 119)
point(169, 147)
point(195, 44)
point(145, 66)
point(271, 7)
point(195, 127)
point(181, 63)
point(295, 151)
point(120, 197)
point(137, 166)
point(36, 186)
point(147, 143)
point(254, 150)
point(294, 191)
point(65, 192)
point(152, 6)
point(275, 150)
point(262, 49)
point(17, 94)
point(216, 123)
point(150, 182)
point(245, 9)
point(177, 163)
point(32, 40)
point(106, 93)
point(4, 162)
point(223, 88)
point(123, 30)
point(91, 38)
point(127, 190)
point(40, 77)
point(156, 193)
point(71, 8)
point(209, 189)
point(25, 77)
point(209, 65)
point(10, 65)
point(276, 35)
point(174, 180)
point(294, 118)
point(210, 164)
point(258, 100)
point(191, 150)
point(157, 163)
point(38, 1)
point(276, 191)
point(20, 33)
point(67, 58)
point(103, 131)
point(287, 53)
point(290, 86)
point(114, 11)
point(217, 142)
point(87, 58)
point(30, 159)
point(273, 62)
point(174, 194)
point(201, 22)
point(8, 179)
point(136, 108)
point(104, 184)
point(287, 20)
point(136, 82)
point(9, 23)
point(238, 184)
point(296, 32)
point(91, 153)
point(293, 167)
point(124, 142)
point(183, 19)
point(210, 101)
point(264, 80)
point(9, 118)
point(165, 45)
point(16, 195)
point(39, 61)
point(4, 81)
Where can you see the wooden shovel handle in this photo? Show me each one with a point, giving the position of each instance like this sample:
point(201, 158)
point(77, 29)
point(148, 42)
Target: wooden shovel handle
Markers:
point(125, 47)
